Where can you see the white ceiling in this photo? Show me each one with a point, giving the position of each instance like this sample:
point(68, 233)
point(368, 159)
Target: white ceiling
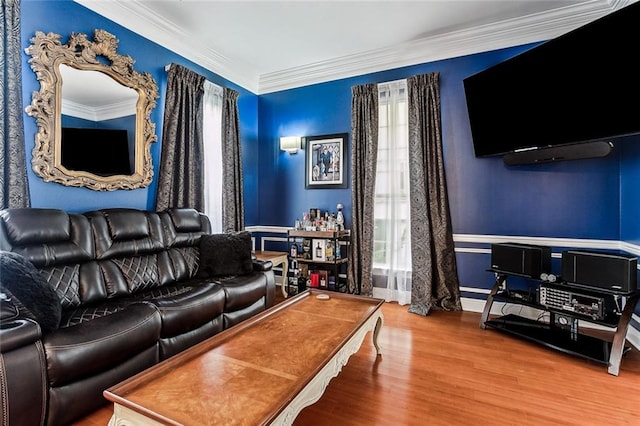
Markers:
point(265, 46)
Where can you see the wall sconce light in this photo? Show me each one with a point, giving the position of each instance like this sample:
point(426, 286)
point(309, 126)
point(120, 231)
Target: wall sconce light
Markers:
point(291, 144)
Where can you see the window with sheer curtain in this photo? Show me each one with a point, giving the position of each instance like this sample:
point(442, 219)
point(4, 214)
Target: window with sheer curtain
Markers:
point(212, 144)
point(392, 238)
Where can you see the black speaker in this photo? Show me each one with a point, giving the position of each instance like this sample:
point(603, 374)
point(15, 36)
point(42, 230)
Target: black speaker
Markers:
point(559, 153)
point(521, 259)
point(600, 270)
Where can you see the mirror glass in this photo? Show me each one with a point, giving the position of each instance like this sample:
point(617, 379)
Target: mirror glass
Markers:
point(98, 118)
point(93, 113)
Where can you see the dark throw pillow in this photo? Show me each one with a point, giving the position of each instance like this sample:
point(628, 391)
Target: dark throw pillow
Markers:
point(36, 299)
point(225, 254)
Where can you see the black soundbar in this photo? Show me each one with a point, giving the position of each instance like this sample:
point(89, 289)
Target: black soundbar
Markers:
point(559, 153)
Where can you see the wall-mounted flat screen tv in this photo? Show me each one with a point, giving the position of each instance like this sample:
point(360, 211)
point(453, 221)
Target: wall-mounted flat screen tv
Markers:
point(103, 152)
point(579, 87)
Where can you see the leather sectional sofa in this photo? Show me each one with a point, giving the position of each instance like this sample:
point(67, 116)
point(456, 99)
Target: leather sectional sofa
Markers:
point(132, 292)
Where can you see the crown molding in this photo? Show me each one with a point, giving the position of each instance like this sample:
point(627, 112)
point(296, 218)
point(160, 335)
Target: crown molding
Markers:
point(138, 18)
point(533, 28)
point(509, 33)
point(101, 113)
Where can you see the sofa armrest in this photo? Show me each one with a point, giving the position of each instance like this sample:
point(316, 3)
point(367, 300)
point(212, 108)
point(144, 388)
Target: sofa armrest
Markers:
point(266, 268)
point(16, 330)
point(17, 333)
point(262, 265)
point(23, 380)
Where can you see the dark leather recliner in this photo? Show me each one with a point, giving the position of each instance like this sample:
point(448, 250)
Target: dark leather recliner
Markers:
point(127, 283)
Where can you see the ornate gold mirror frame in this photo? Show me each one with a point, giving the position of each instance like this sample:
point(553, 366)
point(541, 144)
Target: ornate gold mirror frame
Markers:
point(47, 54)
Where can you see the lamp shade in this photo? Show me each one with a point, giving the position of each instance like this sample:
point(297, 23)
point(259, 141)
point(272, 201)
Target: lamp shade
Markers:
point(291, 144)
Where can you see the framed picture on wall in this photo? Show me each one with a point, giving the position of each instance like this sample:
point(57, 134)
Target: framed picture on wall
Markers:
point(325, 165)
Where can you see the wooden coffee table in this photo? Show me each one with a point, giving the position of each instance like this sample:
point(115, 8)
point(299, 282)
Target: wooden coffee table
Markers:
point(264, 370)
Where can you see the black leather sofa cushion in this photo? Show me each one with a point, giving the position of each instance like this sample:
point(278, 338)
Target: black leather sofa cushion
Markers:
point(66, 237)
point(126, 224)
point(243, 290)
point(183, 227)
point(239, 315)
point(75, 400)
point(99, 337)
point(125, 233)
point(186, 220)
point(185, 307)
point(25, 226)
point(170, 346)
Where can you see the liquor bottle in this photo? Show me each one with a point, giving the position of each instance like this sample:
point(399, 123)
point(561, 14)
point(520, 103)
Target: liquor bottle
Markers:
point(302, 284)
point(319, 251)
point(294, 250)
point(339, 218)
point(329, 251)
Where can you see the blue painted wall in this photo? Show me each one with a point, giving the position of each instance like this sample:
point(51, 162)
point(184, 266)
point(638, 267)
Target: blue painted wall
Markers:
point(629, 194)
point(64, 17)
point(486, 197)
point(574, 199)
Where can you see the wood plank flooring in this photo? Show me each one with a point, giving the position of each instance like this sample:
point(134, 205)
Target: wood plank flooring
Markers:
point(444, 370)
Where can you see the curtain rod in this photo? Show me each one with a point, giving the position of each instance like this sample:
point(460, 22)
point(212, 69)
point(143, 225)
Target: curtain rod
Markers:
point(168, 67)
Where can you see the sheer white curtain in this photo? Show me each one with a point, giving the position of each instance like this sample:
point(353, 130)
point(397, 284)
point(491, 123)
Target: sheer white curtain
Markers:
point(392, 238)
point(212, 135)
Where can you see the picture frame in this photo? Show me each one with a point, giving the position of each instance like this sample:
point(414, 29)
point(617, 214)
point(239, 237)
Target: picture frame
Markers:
point(325, 165)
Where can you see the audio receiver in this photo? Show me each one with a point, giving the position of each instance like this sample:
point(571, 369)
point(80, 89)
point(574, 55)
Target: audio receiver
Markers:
point(575, 301)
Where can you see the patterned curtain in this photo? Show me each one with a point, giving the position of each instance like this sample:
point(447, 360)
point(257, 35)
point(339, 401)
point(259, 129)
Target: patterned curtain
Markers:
point(232, 199)
point(14, 187)
point(181, 176)
point(364, 151)
point(435, 275)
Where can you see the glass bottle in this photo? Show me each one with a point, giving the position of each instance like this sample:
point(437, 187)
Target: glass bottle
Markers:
point(339, 218)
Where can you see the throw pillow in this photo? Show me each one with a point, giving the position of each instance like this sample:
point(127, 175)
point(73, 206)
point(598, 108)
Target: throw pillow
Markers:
point(36, 299)
point(225, 254)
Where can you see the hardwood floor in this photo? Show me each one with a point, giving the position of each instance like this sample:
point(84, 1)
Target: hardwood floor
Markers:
point(444, 370)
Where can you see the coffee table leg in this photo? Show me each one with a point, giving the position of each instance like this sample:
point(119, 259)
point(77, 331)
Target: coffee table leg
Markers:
point(376, 331)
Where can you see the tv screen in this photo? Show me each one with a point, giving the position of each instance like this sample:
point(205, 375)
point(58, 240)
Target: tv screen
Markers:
point(103, 152)
point(579, 87)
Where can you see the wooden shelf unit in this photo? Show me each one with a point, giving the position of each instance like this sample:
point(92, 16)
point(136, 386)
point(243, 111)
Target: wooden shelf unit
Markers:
point(336, 267)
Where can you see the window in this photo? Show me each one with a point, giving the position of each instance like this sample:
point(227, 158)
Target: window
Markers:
point(392, 239)
point(212, 136)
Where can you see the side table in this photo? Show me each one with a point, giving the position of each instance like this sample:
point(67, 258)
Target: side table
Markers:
point(277, 258)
